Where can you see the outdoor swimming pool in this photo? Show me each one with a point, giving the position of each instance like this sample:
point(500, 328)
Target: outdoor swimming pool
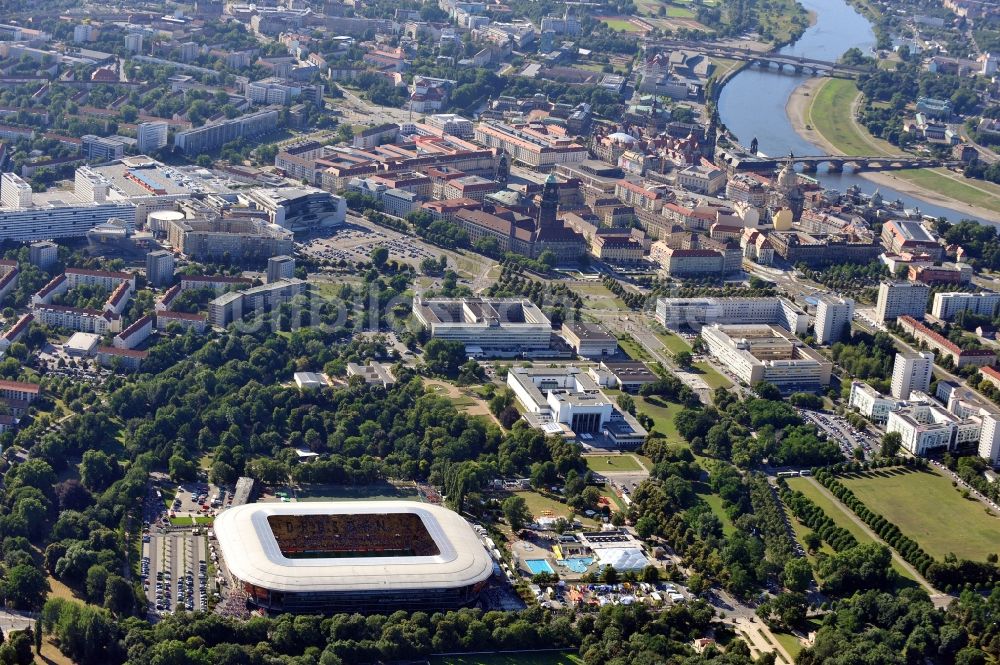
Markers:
point(537, 566)
point(578, 564)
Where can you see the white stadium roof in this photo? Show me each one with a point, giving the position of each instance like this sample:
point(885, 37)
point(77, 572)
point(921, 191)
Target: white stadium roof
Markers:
point(252, 554)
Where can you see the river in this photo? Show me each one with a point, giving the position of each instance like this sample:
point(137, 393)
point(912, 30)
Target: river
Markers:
point(753, 103)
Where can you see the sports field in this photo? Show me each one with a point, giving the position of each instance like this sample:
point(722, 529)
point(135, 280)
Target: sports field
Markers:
point(621, 25)
point(925, 507)
point(621, 463)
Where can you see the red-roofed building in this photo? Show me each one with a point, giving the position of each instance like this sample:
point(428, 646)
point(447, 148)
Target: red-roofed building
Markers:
point(126, 359)
point(991, 375)
point(218, 282)
point(135, 334)
point(938, 342)
point(197, 322)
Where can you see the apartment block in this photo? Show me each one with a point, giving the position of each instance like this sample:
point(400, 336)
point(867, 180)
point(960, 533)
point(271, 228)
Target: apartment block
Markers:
point(896, 299)
point(833, 318)
point(947, 305)
point(911, 372)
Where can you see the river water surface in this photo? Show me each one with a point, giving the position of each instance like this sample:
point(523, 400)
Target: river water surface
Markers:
point(753, 103)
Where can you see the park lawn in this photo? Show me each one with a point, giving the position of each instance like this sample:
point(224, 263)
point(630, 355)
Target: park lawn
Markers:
point(542, 506)
point(927, 508)
point(839, 514)
point(598, 296)
point(621, 25)
point(714, 502)
point(602, 463)
point(633, 349)
point(722, 67)
point(712, 377)
point(662, 413)
point(204, 520)
point(674, 343)
point(528, 658)
point(973, 192)
point(789, 642)
point(830, 114)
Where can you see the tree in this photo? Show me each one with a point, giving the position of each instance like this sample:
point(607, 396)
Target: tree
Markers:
point(25, 587)
point(626, 403)
point(222, 473)
point(891, 443)
point(444, 356)
point(683, 359)
point(98, 470)
point(548, 258)
point(509, 416)
point(767, 391)
point(797, 575)
point(118, 596)
point(515, 511)
point(181, 469)
point(379, 256)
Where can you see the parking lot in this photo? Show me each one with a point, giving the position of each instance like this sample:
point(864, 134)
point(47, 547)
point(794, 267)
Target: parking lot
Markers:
point(844, 434)
point(199, 500)
point(175, 571)
point(354, 242)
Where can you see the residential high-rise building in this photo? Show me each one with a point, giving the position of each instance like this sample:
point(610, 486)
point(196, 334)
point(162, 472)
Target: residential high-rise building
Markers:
point(897, 299)
point(947, 305)
point(133, 42)
point(151, 136)
point(279, 268)
point(43, 254)
point(833, 317)
point(14, 192)
point(104, 148)
point(160, 267)
point(911, 372)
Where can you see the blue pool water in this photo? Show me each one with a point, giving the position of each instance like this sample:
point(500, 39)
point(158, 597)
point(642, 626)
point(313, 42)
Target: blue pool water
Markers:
point(537, 566)
point(578, 564)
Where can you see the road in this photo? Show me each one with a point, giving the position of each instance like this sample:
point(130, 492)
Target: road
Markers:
point(11, 620)
point(357, 111)
point(636, 325)
point(939, 599)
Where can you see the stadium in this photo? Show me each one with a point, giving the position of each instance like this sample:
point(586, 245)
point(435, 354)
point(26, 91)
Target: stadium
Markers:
point(358, 556)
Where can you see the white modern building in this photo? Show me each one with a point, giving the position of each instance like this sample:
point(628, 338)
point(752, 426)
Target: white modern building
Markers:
point(486, 325)
point(911, 371)
point(833, 317)
point(151, 136)
point(298, 209)
point(677, 313)
point(872, 404)
point(589, 340)
point(755, 353)
point(15, 193)
point(568, 402)
point(897, 299)
point(927, 428)
point(947, 305)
